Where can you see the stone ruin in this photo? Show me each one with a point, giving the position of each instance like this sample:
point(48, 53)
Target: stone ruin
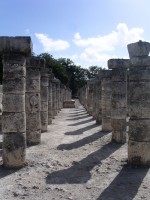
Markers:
point(122, 92)
point(32, 97)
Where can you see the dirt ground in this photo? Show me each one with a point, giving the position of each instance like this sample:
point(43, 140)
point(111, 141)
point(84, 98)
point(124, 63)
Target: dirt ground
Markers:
point(75, 161)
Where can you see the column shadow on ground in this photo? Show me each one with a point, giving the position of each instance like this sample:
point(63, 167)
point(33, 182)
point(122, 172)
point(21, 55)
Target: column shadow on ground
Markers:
point(81, 130)
point(77, 115)
point(80, 171)
point(6, 172)
point(125, 185)
point(77, 118)
point(82, 122)
point(83, 141)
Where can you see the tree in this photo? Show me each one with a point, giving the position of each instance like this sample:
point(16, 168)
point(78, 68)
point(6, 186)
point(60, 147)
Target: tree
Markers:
point(93, 71)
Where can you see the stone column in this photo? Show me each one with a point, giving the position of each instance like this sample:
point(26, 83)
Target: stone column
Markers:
point(14, 51)
point(106, 100)
point(94, 104)
point(61, 95)
point(57, 95)
point(90, 97)
point(119, 98)
point(139, 104)
point(54, 109)
point(44, 98)
point(99, 99)
point(33, 100)
point(50, 102)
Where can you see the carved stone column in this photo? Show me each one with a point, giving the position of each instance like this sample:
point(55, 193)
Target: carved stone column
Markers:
point(119, 98)
point(54, 104)
point(14, 51)
point(50, 99)
point(106, 100)
point(33, 100)
point(99, 99)
point(44, 98)
point(139, 104)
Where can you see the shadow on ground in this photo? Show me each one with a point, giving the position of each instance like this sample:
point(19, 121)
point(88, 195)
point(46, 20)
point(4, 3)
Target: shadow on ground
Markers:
point(77, 115)
point(82, 122)
point(78, 118)
point(125, 185)
point(81, 130)
point(82, 142)
point(80, 171)
point(6, 172)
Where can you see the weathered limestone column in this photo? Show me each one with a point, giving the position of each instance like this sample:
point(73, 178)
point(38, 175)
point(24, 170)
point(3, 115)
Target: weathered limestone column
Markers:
point(106, 100)
point(33, 100)
point(44, 98)
point(139, 104)
point(57, 95)
point(54, 108)
point(61, 95)
point(90, 97)
point(14, 50)
point(99, 99)
point(50, 102)
point(119, 98)
point(94, 110)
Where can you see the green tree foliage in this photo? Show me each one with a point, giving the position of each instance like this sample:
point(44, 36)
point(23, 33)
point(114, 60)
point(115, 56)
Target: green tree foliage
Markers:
point(77, 75)
point(93, 71)
point(58, 69)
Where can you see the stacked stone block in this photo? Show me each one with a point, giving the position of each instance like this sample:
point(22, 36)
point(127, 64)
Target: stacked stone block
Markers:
point(33, 100)
point(45, 74)
point(106, 85)
point(14, 51)
point(139, 104)
point(119, 98)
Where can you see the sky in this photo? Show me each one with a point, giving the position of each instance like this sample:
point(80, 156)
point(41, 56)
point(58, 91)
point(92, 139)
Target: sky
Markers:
point(89, 32)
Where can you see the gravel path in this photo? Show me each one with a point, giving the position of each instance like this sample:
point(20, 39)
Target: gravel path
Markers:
point(75, 161)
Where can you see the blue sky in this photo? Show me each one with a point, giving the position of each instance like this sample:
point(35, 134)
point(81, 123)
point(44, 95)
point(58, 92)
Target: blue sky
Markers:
point(89, 32)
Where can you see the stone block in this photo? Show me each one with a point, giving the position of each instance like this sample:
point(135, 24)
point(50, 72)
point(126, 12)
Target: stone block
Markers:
point(69, 104)
point(44, 94)
point(33, 103)
point(141, 91)
point(13, 122)
point(13, 103)
point(139, 109)
point(33, 122)
point(118, 63)
point(119, 75)
point(138, 153)
point(44, 121)
point(22, 45)
point(139, 130)
point(14, 86)
point(14, 145)
point(140, 61)
point(119, 113)
point(106, 124)
point(136, 74)
point(34, 138)
point(138, 49)
point(33, 85)
point(44, 106)
point(45, 82)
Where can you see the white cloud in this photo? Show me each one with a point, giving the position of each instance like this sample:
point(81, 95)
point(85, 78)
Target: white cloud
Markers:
point(101, 48)
point(51, 45)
